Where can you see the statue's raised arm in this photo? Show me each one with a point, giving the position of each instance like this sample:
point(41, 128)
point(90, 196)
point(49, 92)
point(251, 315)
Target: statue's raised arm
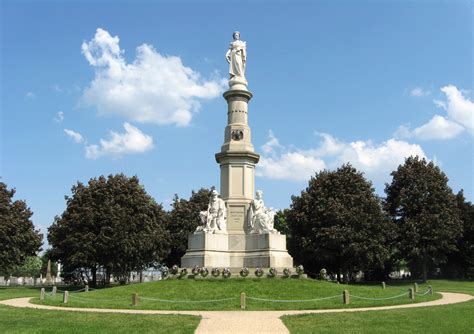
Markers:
point(236, 56)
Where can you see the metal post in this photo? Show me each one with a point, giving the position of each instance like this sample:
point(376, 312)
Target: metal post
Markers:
point(42, 294)
point(135, 299)
point(383, 285)
point(411, 293)
point(242, 300)
point(65, 297)
point(345, 297)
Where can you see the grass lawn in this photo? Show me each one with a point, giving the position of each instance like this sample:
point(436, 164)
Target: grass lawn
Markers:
point(192, 295)
point(16, 320)
point(457, 318)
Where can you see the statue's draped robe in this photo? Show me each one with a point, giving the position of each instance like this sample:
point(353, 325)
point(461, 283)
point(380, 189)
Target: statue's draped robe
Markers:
point(238, 55)
point(260, 219)
point(215, 216)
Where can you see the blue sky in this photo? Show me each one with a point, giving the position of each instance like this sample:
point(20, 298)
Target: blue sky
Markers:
point(367, 82)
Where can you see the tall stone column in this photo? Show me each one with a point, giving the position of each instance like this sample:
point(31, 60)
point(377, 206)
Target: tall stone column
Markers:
point(237, 160)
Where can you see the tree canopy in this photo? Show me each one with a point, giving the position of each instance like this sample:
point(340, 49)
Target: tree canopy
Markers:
point(184, 219)
point(337, 223)
point(423, 207)
point(110, 223)
point(18, 237)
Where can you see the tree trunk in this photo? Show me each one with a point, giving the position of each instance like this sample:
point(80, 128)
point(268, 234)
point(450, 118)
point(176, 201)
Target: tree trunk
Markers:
point(107, 276)
point(339, 275)
point(141, 276)
point(94, 276)
point(424, 266)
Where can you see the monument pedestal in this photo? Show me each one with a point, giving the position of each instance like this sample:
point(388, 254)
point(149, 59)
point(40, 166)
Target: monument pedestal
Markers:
point(237, 251)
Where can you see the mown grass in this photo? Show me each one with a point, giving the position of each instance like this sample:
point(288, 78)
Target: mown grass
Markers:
point(191, 294)
point(458, 318)
point(20, 320)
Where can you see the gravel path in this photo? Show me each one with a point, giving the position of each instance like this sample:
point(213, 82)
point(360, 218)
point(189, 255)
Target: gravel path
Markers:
point(243, 321)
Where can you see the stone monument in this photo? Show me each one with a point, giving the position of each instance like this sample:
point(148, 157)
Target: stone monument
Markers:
point(237, 230)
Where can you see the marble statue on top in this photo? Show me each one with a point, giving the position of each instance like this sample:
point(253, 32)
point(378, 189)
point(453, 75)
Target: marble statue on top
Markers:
point(237, 58)
point(214, 219)
point(260, 218)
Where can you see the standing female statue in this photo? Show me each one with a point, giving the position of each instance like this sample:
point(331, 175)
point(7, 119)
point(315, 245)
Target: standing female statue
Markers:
point(237, 58)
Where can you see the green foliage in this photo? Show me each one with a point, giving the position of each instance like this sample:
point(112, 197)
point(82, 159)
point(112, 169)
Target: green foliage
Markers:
point(423, 207)
point(337, 223)
point(18, 237)
point(111, 223)
point(280, 223)
point(183, 220)
point(30, 268)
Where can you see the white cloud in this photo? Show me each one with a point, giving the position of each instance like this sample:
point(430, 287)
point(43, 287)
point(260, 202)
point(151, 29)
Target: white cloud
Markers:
point(271, 144)
point(376, 160)
point(76, 136)
point(154, 88)
point(459, 117)
point(30, 95)
point(59, 117)
point(419, 92)
point(437, 128)
point(459, 108)
point(131, 142)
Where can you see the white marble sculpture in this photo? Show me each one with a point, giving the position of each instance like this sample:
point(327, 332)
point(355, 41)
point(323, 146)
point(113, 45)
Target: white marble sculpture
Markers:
point(260, 218)
point(214, 219)
point(237, 58)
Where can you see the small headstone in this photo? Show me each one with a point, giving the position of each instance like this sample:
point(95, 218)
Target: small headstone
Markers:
point(53, 292)
point(415, 287)
point(411, 293)
point(383, 285)
point(86, 288)
point(42, 294)
point(2, 280)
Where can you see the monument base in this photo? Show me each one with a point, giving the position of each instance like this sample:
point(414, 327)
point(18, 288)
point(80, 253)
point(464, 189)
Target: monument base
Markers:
point(236, 251)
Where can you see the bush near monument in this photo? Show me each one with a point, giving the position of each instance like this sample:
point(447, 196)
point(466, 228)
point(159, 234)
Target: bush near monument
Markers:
point(337, 223)
point(110, 223)
point(18, 236)
point(423, 207)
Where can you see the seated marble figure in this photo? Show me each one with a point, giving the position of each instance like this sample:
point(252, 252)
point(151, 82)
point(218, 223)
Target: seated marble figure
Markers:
point(214, 219)
point(260, 218)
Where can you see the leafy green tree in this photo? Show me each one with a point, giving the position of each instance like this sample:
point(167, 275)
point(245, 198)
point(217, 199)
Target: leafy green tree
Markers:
point(337, 223)
point(111, 223)
point(280, 223)
point(30, 268)
point(423, 207)
point(18, 237)
point(460, 263)
point(183, 220)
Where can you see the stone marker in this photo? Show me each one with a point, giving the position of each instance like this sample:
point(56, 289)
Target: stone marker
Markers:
point(345, 297)
point(411, 293)
point(242, 300)
point(42, 294)
point(135, 299)
point(415, 287)
point(65, 297)
point(53, 292)
point(86, 288)
point(383, 285)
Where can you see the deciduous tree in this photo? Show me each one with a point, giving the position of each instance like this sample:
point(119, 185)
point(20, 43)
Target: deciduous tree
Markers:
point(18, 237)
point(337, 223)
point(423, 207)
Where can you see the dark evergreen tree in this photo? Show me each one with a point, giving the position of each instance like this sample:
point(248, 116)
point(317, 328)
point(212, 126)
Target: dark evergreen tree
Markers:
point(423, 207)
point(18, 237)
point(337, 223)
point(183, 220)
point(110, 223)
